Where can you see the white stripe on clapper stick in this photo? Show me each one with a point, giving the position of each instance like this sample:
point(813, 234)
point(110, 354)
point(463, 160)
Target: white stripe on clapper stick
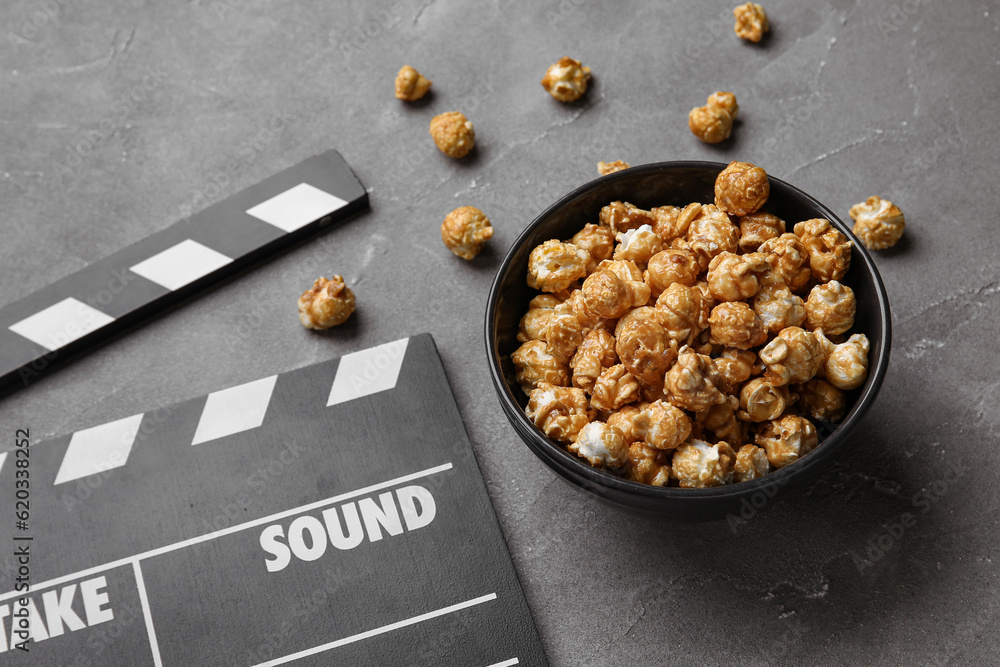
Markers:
point(368, 372)
point(98, 449)
point(234, 410)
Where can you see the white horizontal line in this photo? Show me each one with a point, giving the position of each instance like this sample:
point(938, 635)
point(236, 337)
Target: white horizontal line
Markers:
point(505, 663)
point(382, 630)
point(228, 531)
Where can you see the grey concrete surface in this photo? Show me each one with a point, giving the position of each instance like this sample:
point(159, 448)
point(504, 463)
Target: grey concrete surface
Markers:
point(845, 99)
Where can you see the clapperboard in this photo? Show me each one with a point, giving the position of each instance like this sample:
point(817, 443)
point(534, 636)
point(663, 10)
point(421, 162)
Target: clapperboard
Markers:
point(331, 515)
point(45, 328)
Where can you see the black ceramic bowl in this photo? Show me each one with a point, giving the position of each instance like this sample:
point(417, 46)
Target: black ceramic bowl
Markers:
point(677, 183)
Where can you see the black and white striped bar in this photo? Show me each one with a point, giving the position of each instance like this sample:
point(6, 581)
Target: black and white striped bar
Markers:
point(334, 514)
point(43, 329)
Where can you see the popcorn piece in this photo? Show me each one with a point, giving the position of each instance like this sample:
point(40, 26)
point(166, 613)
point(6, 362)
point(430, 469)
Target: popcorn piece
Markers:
point(787, 439)
point(757, 228)
point(736, 366)
point(829, 250)
point(535, 365)
point(564, 332)
point(554, 266)
point(605, 168)
point(789, 260)
point(751, 463)
point(328, 303)
point(624, 421)
point(540, 309)
point(672, 222)
point(778, 308)
point(587, 318)
point(598, 241)
point(601, 445)
point(710, 234)
point(724, 100)
point(751, 22)
point(637, 245)
point(648, 465)
point(673, 265)
point(795, 355)
point(761, 401)
point(878, 223)
point(694, 382)
point(559, 412)
point(614, 388)
point(465, 231)
point(734, 324)
point(411, 84)
point(622, 216)
point(830, 307)
point(595, 353)
point(711, 124)
point(733, 277)
point(453, 134)
point(662, 425)
point(566, 80)
point(698, 464)
point(821, 401)
point(846, 364)
point(626, 270)
point(741, 188)
point(644, 347)
point(607, 295)
point(721, 421)
point(683, 313)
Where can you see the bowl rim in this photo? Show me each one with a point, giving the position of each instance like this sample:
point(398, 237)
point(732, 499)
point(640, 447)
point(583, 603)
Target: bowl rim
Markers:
point(574, 468)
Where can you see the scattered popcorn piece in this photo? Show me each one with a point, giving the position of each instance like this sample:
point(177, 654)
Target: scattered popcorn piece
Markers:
point(566, 80)
point(821, 401)
point(694, 382)
point(751, 463)
point(846, 365)
point(734, 324)
point(829, 250)
point(540, 310)
point(878, 223)
point(662, 425)
point(648, 465)
point(644, 347)
point(411, 85)
point(465, 231)
point(603, 446)
point(711, 124)
point(789, 260)
point(758, 227)
point(453, 134)
point(794, 356)
point(559, 412)
point(787, 439)
point(622, 216)
point(535, 365)
point(605, 168)
point(698, 464)
point(595, 353)
point(761, 401)
point(778, 308)
point(733, 277)
point(751, 22)
point(669, 267)
point(637, 245)
point(724, 100)
point(683, 313)
point(741, 188)
point(597, 240)
point(831, 307)
point(328, 303)
point(614, 388)
point(554, 266)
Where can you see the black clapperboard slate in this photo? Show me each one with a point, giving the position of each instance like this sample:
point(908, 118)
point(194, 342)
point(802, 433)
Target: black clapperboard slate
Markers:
point(44, 329)
point(331, 515)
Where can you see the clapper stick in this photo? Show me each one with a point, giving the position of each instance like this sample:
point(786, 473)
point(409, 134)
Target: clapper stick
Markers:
point(47, 328)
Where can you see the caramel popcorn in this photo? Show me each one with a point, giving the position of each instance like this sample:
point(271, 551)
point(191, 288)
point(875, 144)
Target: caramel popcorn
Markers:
point(605, 168)
point(761, 401)
point(465, 231)
point(648, 465)
point(670, 266)
point(787, 439)
point(554, 266)
point(711, 233)
point(559, 412)
point(532, 325)
point(846, 364)
point(710, 123)
point(778, 308)
point(411, 84)
point(597, 240)
point(453, 134)
point(829, 250)
point(821, 401)
point(624, 421)
point(736, 366)
point(601, 445)
point(694, 382)
point(607, 295)
point(594, 354)
point(698, 464)
point(751, 22)
point(830, 307)
point(733, 277)
point(878, 223)
point(564, 331)
point(683, 313)
point(637, 245)
point(577, 304)
point(328, 303)
point(795, 355)
point(622, 216)
point(566, 80)
point(644, 347)
point(614, 388)
point(672, 222)
point(751, 463)
point(741, 188)
point(734, 324)
point(789, 260)
point(724, 100)
point(662, 425)
point(722, 422)
point(757, 228)
point(535, 365)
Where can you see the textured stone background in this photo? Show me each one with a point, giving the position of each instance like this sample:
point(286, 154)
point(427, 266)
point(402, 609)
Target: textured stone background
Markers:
point(844, 100)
